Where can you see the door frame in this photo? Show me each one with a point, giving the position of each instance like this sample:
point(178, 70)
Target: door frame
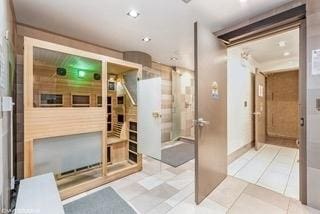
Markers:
point(301, 25)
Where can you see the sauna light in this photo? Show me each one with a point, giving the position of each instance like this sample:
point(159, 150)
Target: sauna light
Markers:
point(81, 73)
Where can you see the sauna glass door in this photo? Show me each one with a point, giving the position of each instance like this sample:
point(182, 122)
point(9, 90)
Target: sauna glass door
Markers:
point(149, 117)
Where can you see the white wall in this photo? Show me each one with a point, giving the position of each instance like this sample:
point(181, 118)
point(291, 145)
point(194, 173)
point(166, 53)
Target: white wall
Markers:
point(239, 91)
point(6, 23)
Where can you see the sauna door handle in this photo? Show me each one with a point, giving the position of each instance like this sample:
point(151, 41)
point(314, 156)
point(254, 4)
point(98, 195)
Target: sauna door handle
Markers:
point(156, 114)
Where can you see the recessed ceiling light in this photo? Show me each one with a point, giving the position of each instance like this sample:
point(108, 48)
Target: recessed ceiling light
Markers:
point(133, 13)
point(286, 53)
point(146, 39)
point(174, 58)
point(243, 1)
point(282, 44)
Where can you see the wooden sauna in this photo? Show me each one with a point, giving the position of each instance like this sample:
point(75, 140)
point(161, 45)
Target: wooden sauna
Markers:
point(80, 116)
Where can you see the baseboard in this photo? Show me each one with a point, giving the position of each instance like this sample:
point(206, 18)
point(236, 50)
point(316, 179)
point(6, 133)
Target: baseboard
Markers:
point(186, 139)
point(282, 136)
point(236, 154)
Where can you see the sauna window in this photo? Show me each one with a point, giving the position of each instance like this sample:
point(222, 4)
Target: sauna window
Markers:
point(51, 100)
point(81, 100)
point(65, 80)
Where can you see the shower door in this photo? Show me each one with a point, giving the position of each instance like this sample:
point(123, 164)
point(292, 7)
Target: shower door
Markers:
point(149, 117)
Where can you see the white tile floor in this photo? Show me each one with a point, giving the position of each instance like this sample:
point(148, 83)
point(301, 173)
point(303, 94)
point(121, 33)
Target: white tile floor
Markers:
point(272, 167)
point(160, 189)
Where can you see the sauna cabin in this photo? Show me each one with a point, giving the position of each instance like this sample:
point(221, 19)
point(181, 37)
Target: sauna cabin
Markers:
point(88, 102)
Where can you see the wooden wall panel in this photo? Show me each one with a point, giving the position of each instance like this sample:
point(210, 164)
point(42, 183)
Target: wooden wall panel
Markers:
point(46, 81)
point(53, 122)
point(283, 104)
point(46, 122)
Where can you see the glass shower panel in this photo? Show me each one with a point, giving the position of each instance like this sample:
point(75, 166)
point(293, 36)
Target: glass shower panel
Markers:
point(149, 73)
point(176, 106)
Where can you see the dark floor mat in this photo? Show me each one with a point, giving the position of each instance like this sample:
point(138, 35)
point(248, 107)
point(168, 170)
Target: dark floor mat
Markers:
point(178, 155)
point(105, 201)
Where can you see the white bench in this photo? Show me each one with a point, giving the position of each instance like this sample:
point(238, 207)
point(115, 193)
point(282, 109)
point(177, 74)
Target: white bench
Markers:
point(39, 195)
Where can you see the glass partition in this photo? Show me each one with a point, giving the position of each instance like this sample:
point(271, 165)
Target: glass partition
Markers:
point(65, 80)
point(73, 159)
point(176, 106)
point(130, 83)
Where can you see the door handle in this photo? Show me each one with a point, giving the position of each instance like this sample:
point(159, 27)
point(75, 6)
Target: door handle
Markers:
point(201, 122)
point(156, 114)
point(256, 113)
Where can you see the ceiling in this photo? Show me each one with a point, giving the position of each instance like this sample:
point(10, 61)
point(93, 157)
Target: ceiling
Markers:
point(270, 56)
point(169, 23)
point(56, 59)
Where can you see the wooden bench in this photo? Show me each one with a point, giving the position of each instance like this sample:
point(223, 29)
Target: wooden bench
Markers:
point(39, 195)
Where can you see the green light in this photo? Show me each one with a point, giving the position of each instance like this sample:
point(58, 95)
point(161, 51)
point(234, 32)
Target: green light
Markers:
point(81, 73)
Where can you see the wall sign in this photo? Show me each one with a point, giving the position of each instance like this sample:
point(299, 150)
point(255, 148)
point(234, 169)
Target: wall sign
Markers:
point(316, 62)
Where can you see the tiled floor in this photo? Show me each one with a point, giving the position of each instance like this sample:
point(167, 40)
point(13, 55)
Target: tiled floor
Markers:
point(160, 189)
point(272, 167)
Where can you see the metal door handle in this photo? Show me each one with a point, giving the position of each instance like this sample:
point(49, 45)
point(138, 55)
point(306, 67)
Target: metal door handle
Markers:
point(156, 114)
point(201, 122)
point(256, 113)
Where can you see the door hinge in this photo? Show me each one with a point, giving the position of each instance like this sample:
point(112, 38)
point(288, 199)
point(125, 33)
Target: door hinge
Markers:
point(12, 183)
point(302, 122)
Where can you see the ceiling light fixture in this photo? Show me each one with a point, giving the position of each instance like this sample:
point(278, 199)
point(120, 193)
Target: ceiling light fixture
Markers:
point(133, 13)
point(173, 58)
point(146, 39)
point(286, 53)
point(243, 1)
point(282, 44)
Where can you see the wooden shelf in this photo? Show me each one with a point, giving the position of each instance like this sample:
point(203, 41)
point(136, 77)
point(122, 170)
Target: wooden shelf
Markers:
point(133, 152)
point(131, 141)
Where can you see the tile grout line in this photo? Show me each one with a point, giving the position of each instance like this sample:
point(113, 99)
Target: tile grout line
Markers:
point(292, 166)
point(249, 161)
point(268, 166)
point(242, 192)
